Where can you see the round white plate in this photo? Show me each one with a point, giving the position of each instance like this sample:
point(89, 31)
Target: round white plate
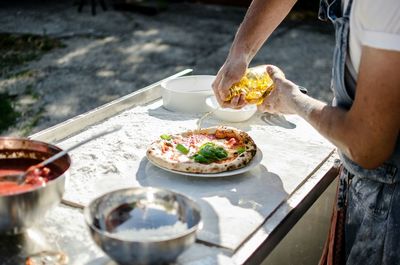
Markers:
point(253, 163)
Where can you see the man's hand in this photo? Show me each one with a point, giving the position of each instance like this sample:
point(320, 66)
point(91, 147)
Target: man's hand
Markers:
point(366, 133)
point(231, 72)
point(262, 17)
point(280, 100)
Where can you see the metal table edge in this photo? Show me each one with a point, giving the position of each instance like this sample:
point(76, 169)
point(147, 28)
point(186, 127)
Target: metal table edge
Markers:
point(78, 123)
point(261, 243)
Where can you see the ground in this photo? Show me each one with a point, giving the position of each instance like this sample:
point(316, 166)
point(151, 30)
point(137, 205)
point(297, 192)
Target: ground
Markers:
point(91, 60)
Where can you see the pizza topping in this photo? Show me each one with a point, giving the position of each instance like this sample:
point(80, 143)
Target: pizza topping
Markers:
point(232, 141)
point(164, 147)
point(210, 152)
point(241, 150)
point(166, 137)
point(181, 148)
point(201, 159)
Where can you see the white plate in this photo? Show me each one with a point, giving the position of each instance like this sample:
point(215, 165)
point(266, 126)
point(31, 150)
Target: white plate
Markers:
point(253, 163)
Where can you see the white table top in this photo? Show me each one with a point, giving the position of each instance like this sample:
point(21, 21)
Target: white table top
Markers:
point(240, 213)
point(232, 207)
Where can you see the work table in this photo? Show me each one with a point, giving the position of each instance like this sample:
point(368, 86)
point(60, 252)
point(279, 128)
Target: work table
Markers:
point(244, 216)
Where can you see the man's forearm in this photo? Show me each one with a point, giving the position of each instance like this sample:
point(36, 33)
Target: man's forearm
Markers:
point(342, 129)
point(327, 120)
point(262, 18)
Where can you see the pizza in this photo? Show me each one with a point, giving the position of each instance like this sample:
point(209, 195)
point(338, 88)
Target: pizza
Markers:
point(208, 150)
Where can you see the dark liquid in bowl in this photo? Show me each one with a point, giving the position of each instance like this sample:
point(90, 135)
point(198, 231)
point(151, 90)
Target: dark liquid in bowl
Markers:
point(128, 216)
point(19, 165)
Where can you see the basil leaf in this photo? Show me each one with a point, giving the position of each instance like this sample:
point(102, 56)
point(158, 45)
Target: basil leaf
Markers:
point(240, 150)
point(165, 137)
point(208, 153)
point(201, 159)
point(181, 148)
point(220, 152)
point(207, 145)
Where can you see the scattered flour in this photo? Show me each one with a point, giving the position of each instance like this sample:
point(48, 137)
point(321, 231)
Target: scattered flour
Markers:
point(291, 150)
point(160, 233)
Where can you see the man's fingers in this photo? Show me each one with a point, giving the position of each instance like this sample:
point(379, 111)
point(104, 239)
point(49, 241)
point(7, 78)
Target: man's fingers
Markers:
point(226, 104)
point(242, 101)
point(235, 102)
point(215, 83)
point(266, 108)
point(263, 107)
point(215, 86)
point(275, 73)
point(266, 105)
point(224, 86)
point(221, 90)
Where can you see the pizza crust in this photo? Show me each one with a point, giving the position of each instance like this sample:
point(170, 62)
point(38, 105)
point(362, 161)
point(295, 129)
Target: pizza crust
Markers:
point(155, 154)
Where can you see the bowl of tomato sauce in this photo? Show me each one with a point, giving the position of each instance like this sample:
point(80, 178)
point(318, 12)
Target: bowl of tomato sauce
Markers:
point(22, 205)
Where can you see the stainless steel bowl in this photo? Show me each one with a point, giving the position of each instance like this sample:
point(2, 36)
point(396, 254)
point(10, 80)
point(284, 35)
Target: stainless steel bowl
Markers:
point(143, 225)
point(22, 210)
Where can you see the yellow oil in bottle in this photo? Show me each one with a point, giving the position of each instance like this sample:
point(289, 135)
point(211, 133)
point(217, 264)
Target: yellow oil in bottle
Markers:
point(254, 86)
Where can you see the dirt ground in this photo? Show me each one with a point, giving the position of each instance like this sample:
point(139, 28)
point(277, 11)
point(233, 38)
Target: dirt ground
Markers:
point(113, 53)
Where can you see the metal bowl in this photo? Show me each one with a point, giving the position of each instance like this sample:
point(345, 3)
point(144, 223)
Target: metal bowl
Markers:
point(143, 225)
point(21, 210)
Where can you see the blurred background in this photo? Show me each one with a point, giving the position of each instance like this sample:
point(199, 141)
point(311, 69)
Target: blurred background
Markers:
point(62, 58)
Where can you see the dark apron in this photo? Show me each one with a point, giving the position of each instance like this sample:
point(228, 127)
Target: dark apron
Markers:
point(372, 197)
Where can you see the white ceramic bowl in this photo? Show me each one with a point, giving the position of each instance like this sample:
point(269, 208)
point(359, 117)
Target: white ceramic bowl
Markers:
point(230, 115)
point(187, 93)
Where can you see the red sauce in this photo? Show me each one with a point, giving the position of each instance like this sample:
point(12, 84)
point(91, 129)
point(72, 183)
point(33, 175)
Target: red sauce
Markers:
point(232, 141)
point(192, 140)
point(18, 165)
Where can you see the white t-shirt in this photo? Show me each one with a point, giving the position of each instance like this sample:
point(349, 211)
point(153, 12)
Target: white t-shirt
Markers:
point(373, 23)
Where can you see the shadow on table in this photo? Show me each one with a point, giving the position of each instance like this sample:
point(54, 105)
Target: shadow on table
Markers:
point(276, 120)
point(210, 121)
point(102, 261)
point(164, 114)
point(254, 194)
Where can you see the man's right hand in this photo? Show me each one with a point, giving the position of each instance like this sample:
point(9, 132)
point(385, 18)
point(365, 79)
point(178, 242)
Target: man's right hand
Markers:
point(230, 73)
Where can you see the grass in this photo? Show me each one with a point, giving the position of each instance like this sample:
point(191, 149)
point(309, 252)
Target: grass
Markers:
point(30, 91)
point(22, 74)
point(33, 121)
point(8, 114)
point(17, 49)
